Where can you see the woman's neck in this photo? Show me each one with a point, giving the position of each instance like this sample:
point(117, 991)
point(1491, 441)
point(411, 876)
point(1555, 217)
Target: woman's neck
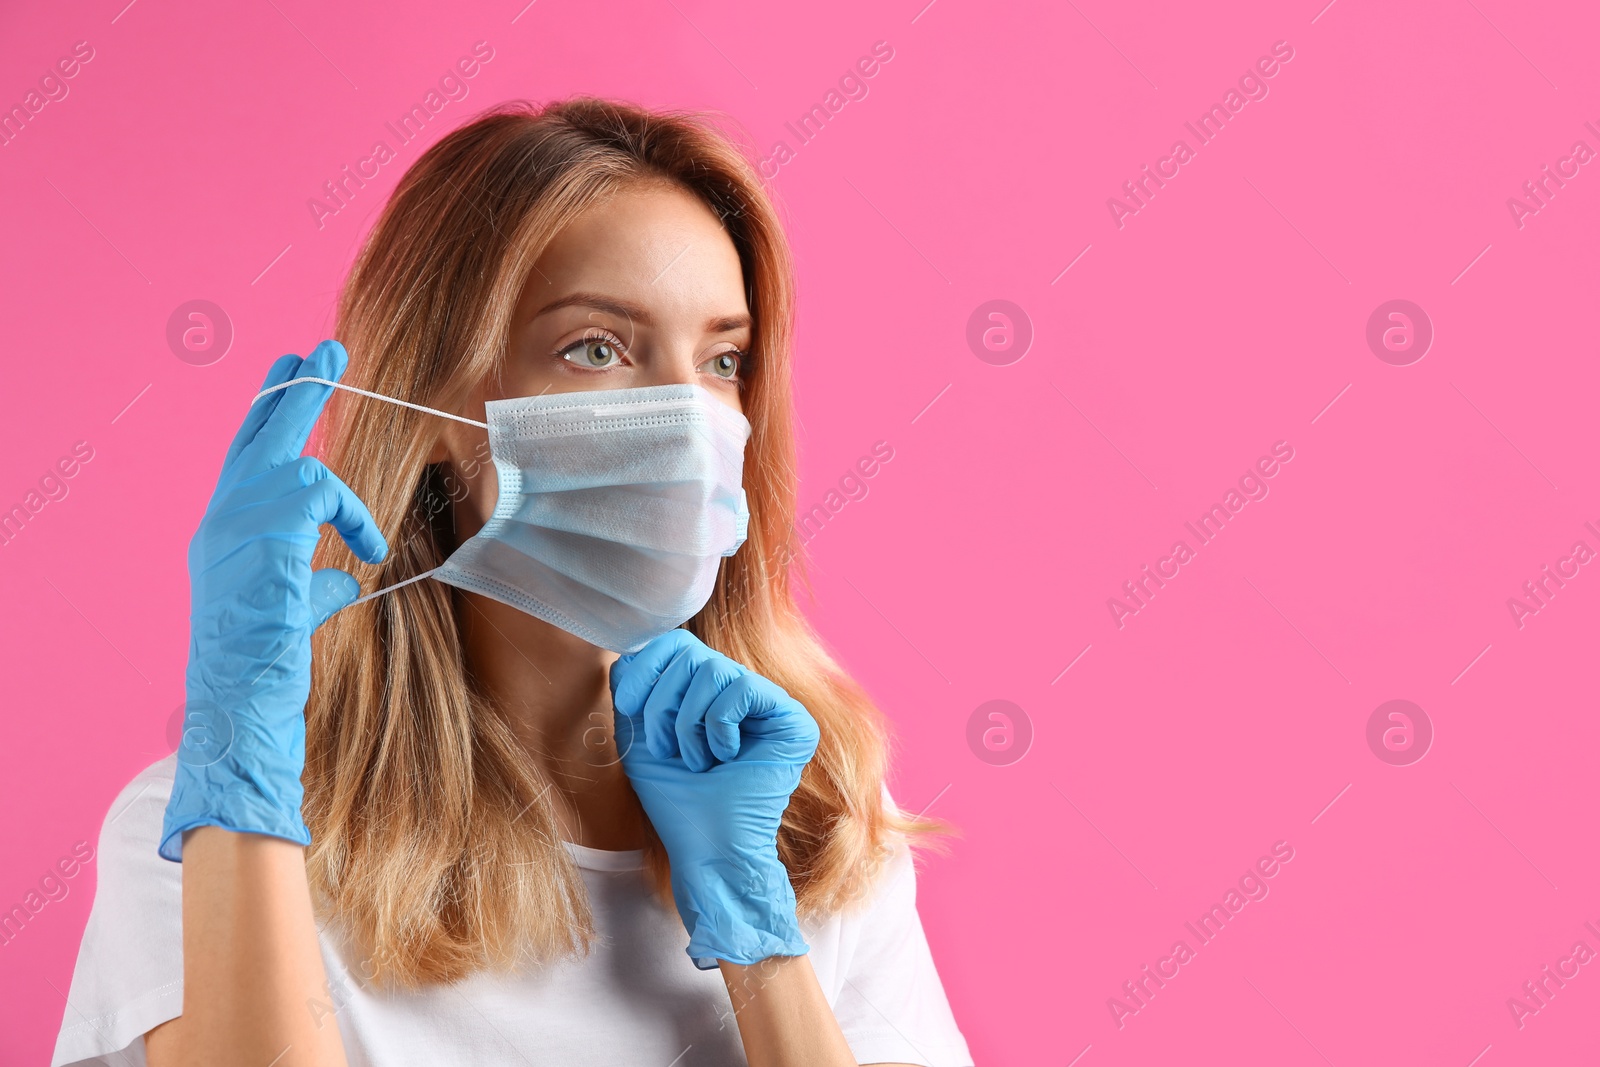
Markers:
point(555, 690)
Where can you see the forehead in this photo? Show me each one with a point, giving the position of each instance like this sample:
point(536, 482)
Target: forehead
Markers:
point(652, 243)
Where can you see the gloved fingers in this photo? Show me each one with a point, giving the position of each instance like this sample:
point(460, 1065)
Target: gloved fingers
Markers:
point(332, 590)
point(714, 675)
point(633, 676)
point(723, 717)
point(728, 712)
point(256, 417)
point(329, 500)
point(279, 482)
point(628, 730)
point(288, 425)
point(761, 711)
point(666, 697)
point(278, 497)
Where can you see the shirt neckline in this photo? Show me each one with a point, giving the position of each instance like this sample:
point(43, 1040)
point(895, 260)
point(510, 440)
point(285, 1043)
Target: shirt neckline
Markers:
point(596, 859)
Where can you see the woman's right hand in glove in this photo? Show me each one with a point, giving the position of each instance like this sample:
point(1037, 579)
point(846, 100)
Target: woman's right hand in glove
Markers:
point(254, 602)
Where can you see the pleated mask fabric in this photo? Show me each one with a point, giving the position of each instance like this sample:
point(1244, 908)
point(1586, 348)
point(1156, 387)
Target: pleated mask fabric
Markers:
point(615, 511)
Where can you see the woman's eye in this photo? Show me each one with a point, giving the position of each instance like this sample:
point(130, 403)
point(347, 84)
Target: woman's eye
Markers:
point(725, 366)
point(592, 352)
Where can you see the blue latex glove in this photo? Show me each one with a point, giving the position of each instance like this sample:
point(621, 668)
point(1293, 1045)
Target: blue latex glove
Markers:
point(714, 751)
point(254, 602)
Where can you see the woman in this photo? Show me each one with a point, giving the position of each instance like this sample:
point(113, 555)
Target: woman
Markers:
point(480, 828)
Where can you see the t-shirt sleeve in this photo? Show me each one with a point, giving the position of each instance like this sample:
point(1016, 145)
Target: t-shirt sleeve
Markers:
point(890, 1002)
point(129, 975)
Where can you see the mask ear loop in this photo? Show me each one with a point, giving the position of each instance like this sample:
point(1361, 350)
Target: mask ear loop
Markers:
point(390, 400)
point(374, 396)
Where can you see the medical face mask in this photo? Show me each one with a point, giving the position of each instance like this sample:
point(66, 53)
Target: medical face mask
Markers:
point(616, 507)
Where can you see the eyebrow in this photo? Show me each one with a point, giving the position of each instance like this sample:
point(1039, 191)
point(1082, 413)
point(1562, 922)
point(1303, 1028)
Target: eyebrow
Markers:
point(636, 313)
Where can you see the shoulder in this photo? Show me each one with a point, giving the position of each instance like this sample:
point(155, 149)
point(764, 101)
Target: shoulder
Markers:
point(132, 827)
point(135, 882)
point(129, 973)
point(895, 880)
point(893, 890)
point(145, 792)
point(876, 968)
point(887, 902)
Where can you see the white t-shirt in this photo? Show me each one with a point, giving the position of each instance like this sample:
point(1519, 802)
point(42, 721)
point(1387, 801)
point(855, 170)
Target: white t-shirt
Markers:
point(636, 998)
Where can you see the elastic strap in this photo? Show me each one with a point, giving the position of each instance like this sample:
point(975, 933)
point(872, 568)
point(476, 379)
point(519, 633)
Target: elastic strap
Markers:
point(374, 396)
point(391, 400)
point(390, 588)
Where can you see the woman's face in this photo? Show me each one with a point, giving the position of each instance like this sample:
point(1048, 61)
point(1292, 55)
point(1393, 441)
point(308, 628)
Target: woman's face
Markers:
point(644, 288)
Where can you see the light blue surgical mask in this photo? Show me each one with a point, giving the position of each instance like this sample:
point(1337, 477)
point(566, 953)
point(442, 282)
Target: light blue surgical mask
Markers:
point(616, 508)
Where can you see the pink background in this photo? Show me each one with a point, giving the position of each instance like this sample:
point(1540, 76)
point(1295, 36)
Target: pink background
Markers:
point(1223, 317)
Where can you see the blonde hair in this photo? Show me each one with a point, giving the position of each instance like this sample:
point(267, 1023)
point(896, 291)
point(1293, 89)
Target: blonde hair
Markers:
point(433, 842)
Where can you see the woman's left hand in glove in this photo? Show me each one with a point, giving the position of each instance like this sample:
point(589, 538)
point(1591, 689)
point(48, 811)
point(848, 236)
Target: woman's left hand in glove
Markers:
point(714, 751)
